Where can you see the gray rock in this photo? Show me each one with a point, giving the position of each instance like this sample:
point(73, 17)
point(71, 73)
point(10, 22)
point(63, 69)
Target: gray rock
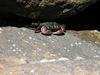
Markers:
point(23, 52)
point(44, 9)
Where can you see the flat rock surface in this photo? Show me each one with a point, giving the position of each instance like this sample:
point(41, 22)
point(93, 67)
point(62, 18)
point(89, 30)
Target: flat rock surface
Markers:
point(23, 52)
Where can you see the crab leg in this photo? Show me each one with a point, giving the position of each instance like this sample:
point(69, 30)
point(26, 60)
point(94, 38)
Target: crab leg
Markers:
point(38, 29)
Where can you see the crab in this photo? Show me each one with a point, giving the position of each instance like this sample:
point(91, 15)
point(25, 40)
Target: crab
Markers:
point(48, 28)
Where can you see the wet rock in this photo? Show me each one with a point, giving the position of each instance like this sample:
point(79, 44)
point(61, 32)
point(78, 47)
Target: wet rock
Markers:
point(23, 52)
point(44, 9)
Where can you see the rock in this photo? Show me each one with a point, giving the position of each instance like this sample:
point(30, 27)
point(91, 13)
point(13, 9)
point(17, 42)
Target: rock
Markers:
point(44, 9)
point(23, 52)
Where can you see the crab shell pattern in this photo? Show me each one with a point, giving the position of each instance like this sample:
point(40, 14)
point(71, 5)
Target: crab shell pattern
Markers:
point(48, 28)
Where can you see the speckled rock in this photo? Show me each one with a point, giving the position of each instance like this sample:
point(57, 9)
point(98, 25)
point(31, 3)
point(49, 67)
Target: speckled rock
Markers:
point(22, 52)
point(44, 9)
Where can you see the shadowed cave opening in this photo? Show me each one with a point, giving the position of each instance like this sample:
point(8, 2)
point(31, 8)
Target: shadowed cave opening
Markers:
point(86, 20)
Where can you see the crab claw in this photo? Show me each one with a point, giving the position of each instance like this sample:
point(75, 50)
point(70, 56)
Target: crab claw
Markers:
point(60, 31)
point(45, 31)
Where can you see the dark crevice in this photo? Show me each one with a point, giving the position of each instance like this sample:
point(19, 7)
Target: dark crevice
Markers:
point(86, 20)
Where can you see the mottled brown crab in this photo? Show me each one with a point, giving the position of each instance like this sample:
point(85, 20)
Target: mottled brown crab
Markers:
point(48, 28)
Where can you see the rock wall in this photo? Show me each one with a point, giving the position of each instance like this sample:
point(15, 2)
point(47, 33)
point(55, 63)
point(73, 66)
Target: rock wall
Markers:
point(44, 9)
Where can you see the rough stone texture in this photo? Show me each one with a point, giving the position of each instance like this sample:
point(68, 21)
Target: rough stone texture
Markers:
point(23, 52)
point(44, 9)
